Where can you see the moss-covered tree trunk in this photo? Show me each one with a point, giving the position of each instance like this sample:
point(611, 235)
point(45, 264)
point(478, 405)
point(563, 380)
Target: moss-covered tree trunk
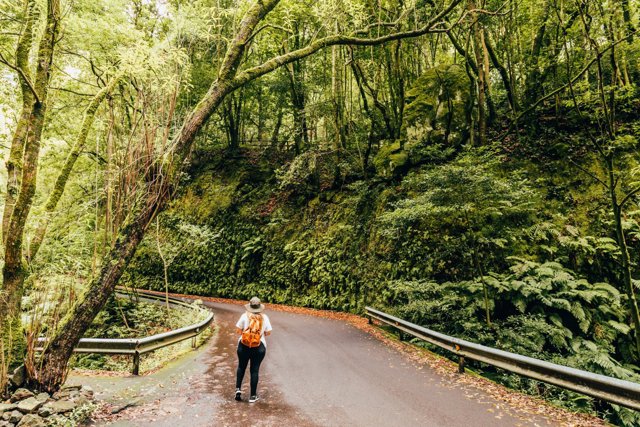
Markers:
point(504, 74)
point(14, 270)
point(298, 97)
point(12, 343)
point(14, 162)
point(533, 79)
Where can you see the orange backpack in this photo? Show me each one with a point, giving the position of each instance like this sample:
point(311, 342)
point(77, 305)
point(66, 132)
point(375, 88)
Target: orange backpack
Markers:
point(251, 335)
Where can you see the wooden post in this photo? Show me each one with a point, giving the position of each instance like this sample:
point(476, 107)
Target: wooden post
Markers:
point(461, 364)
point(136, 364)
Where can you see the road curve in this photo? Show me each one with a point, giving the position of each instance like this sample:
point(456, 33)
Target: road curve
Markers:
point(317, 372)
point(324, 372)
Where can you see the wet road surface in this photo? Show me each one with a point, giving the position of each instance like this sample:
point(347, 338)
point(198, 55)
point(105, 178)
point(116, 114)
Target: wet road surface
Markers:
point(317, 372)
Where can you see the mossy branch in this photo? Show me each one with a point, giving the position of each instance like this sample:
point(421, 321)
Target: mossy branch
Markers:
point(253, 73)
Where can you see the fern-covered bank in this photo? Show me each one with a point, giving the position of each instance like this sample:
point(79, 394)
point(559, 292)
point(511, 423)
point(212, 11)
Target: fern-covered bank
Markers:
point(477, 245)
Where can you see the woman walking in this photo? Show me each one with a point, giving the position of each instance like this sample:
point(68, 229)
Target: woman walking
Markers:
point(252, 327)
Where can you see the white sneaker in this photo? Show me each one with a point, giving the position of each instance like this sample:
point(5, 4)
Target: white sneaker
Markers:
point(238, 395)
point(253, 399)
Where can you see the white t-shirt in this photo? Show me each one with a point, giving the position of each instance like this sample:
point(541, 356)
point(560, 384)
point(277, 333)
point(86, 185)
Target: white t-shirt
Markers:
point(243, 324)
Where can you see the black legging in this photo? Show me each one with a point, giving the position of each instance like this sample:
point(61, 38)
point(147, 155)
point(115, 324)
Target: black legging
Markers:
point(255, 355)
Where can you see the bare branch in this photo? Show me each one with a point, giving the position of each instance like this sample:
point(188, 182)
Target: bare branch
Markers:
point(629, 196)
point(591, 175)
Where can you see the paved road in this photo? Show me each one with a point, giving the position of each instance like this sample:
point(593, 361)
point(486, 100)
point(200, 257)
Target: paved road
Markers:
point(325, 372)
point(317, 372)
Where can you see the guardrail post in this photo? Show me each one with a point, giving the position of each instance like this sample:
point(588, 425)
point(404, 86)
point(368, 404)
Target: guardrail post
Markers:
point(461, 363)
point(400, 334)
point(136, 363)
point(193, 342)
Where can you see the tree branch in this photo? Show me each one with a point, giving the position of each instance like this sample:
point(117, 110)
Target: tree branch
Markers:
point(629, 196)
point(591, 175)
point(26, 79)
point(274, 63)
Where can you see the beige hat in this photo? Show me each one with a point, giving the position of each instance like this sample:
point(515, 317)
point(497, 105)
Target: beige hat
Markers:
point(254, 305)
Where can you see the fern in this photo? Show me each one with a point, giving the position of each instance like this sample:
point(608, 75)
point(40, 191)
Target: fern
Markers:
point(620, 327)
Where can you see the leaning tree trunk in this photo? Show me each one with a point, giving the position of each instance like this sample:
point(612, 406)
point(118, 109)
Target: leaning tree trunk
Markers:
point(53, 362)
point(51, 372)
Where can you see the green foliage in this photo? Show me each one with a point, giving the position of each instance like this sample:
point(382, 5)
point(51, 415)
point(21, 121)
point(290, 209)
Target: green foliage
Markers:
point(468, 192)
point(303, 170)
point(408, 244)
point(522, 228)
point(460, 210)
point(312, 172)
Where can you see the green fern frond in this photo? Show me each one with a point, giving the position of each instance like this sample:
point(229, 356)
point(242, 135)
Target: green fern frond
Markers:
point(577, 311)
point(620, 327)
point(556, 320)
point(561, 303)
point(607, 288)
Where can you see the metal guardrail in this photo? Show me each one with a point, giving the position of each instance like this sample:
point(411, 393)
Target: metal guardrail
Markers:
point(138, 346)
point(621, 392)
